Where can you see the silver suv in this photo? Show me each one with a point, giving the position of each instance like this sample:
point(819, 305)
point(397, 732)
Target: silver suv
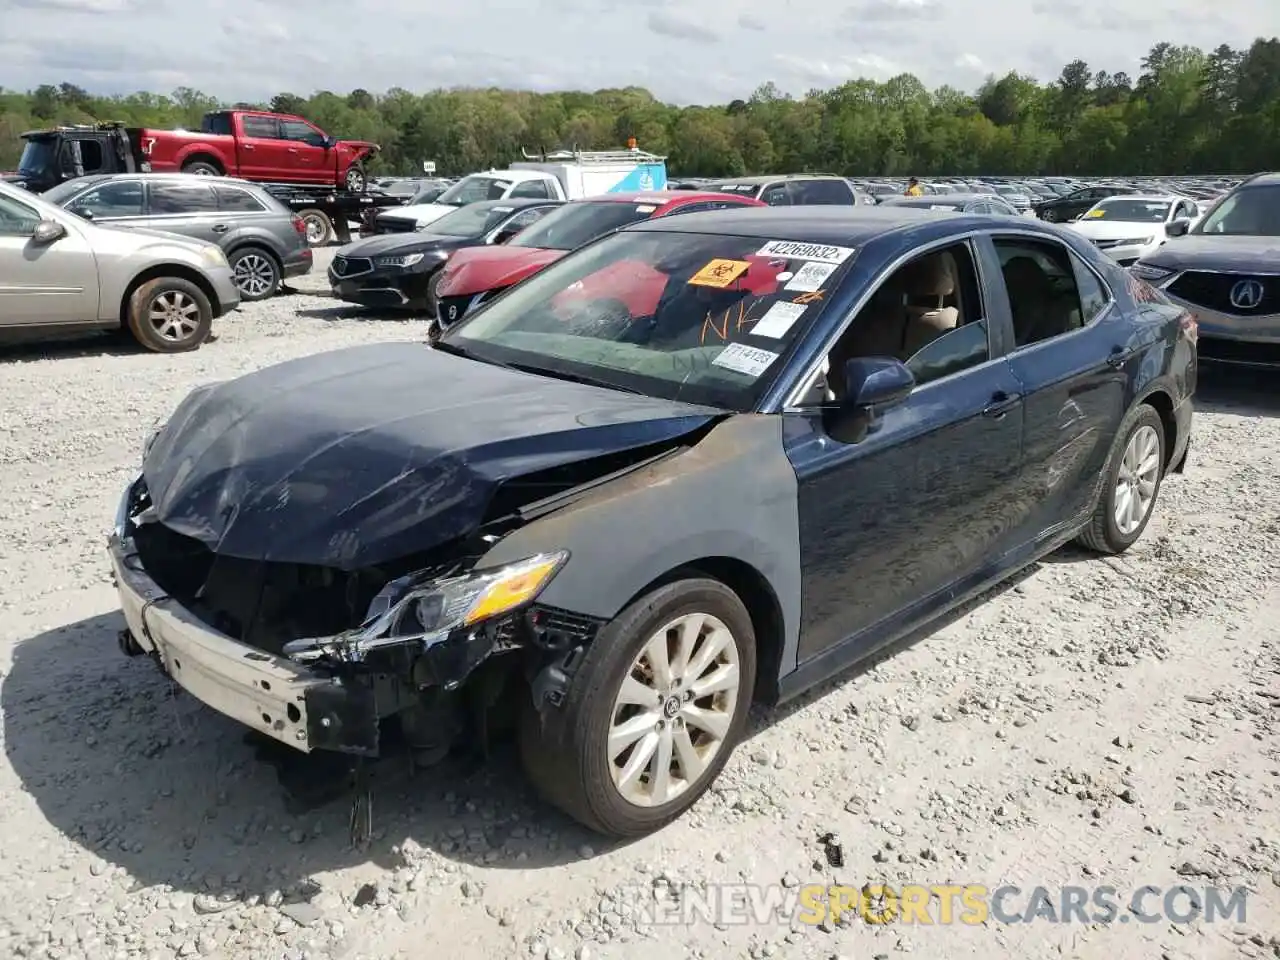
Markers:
point(263, 240)
point(59, 272)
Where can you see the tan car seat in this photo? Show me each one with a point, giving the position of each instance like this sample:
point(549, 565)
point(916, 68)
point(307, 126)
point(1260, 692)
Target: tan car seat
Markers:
point(933, 276)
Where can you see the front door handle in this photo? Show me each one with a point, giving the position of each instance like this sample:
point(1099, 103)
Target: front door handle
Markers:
point(1001, 403)
point(221, 227)
point(293, 149)
point(1118, 357)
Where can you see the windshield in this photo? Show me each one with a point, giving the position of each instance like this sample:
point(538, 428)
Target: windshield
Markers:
point(1130, 211)
point(470, 221)
point(693, 317)
point(39, 157)
point(429, 195)
point(577, 223)
point(1251, 212)
point(68, 189)
point(475, 188)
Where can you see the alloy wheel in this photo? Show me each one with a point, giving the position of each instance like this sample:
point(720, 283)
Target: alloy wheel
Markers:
point(673, 710)
point(255, 275)
point(1136, 480)
point(174, 316)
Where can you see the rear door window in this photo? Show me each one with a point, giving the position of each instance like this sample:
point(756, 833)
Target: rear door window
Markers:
point(235, 200)
point(169, 199)
point(263, 128)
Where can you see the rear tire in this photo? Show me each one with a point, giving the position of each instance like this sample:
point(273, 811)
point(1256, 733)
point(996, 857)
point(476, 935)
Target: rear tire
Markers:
point(1131, 486)
point(201, 168)
point(566, 750)
point(256, 273)
point(169, 315)
point(319, 228)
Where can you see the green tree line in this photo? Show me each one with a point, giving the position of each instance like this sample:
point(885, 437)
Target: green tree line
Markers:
point(1188, 111)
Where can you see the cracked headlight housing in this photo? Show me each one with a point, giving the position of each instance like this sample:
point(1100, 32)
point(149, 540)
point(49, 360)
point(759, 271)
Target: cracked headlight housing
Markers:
point(411, 610)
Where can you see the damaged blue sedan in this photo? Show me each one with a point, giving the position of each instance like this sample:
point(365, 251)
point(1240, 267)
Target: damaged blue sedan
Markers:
point(701, 462)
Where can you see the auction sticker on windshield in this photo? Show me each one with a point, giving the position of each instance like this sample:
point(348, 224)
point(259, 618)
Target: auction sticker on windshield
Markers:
point(810, 277)
point(795, 250)
point(719, 273)
point(740, 358)
point(779, 319)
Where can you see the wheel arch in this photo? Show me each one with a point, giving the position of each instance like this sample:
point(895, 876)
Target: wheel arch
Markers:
point(1158, 398)
point(257, 244)
point(756, 593)
point(160, 270)
point(201, 155)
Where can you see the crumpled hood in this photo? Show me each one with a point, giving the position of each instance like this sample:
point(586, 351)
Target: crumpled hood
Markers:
point(366, 455)
point(1199, 251)
point(491, 268)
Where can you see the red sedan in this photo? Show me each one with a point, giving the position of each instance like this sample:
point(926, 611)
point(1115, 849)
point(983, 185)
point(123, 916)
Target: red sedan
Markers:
point(476, 274)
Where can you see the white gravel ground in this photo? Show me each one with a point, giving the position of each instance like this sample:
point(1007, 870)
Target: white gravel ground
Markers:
point(1104, 722)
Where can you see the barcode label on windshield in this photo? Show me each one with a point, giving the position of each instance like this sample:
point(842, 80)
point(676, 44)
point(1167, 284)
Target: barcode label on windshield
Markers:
point(740, 358)
point(794, 250)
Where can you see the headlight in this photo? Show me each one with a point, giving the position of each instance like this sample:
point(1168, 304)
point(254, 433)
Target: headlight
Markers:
point(429, 612)
point(214, 255)
point(1149, 272)
point(151, 437)
point(407, 260)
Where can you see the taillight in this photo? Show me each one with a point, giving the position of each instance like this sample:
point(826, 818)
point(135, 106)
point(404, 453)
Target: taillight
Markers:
point(1190, 328)
point(299, 225)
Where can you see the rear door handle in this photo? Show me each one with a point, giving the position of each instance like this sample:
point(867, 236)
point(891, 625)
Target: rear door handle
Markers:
point(293, 149)
point(221, 227)
point(1001, 403)
point(1118, 357)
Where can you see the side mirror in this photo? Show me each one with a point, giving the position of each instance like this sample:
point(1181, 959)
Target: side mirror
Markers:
point(875, 382)
point(85, 214)
point(504, 235)
point(1178, 228)
point(47, 231)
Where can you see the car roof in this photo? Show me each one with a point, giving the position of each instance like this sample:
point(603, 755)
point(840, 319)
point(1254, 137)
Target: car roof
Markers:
point(773, 178)
point(511, 203)
point(1263, 180)
point(1162, 197)
point(662, 197)
point(846, 226)
point(958, 197)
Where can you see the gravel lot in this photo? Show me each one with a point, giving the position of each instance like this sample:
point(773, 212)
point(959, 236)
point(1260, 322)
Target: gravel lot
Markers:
point(1100, 722)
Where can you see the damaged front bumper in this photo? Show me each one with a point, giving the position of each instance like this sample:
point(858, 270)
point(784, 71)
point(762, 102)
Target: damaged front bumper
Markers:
point(422, 633)
point(296, 705)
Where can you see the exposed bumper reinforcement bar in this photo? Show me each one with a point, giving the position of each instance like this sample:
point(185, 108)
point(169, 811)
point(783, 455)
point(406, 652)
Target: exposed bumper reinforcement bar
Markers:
point(303, 708)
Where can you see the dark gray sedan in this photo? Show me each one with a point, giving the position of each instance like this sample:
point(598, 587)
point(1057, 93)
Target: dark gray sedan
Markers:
point(263, 240)
point(957, 203)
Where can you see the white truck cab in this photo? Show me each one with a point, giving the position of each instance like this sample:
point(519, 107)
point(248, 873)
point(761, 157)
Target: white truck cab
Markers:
point(565, 175)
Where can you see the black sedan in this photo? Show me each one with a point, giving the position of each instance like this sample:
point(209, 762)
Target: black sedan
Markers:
point(397, 270)
point(699, 462)
point(1073, 205)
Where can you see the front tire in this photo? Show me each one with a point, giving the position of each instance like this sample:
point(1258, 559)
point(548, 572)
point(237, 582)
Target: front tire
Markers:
point(655, 709)
point(355, 180)
point(169, 315)
point(1135, 470)
point(256, 273)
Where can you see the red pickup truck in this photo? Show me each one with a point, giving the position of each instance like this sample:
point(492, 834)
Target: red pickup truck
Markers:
point(252, 145)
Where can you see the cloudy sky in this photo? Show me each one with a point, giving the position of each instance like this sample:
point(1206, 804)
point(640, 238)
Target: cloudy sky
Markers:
point(684, 52)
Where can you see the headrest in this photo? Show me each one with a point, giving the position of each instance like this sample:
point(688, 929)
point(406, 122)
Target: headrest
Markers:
point(1024, 270)
point(931, 276)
